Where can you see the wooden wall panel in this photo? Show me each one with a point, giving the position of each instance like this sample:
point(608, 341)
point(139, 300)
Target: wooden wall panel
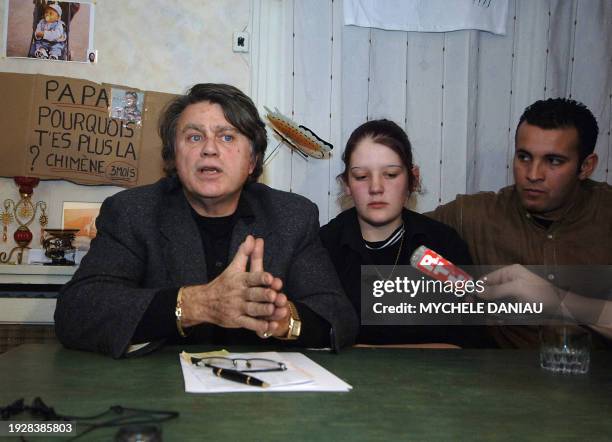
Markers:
point(424, 111)
point(495, 68)
point(591, 66)
point(311, 91)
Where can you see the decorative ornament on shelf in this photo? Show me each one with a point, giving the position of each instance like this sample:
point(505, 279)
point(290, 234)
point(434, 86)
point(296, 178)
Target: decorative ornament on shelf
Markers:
point(300, 138)
point(43, 220)
point(7, 218)
point(24, 213)
point(58, 246)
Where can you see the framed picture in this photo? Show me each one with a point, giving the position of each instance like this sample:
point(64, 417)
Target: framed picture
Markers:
point(82, 216)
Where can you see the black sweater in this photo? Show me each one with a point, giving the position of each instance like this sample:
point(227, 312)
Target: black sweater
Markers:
point(343, 240)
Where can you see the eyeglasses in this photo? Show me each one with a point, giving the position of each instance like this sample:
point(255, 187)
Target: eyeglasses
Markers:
point(245, 365)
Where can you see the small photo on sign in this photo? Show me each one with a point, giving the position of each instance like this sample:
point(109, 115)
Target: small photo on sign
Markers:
point(49, 30)
point(82, 216)
point(126, 105)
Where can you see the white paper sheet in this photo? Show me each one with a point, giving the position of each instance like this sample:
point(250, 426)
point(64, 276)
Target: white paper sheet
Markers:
point(302, 374)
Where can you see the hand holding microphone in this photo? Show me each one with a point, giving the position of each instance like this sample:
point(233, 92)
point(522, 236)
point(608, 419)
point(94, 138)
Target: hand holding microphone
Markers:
point(435, 265)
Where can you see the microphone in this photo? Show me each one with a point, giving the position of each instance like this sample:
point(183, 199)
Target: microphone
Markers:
point(436, 266)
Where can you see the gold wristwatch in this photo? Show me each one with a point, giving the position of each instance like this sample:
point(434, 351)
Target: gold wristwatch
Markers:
point(295, 323)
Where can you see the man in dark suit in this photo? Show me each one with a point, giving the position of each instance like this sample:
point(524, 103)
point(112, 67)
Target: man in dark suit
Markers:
point(206, 254)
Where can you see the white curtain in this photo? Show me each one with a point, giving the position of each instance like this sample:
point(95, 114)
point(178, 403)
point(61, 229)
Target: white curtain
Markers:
point(458, 94)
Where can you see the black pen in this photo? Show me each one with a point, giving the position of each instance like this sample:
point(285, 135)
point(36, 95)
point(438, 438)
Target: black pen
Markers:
point(238, 376)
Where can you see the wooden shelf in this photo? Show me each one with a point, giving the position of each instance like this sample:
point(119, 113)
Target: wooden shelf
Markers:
point(27, 310)
point(35, 274)
point(20, 310)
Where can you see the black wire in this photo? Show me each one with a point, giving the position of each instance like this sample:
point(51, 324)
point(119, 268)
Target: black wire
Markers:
point(133, 419)
point(132, 416)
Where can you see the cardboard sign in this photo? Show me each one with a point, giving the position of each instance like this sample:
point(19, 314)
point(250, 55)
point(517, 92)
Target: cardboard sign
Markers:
point(63, 128)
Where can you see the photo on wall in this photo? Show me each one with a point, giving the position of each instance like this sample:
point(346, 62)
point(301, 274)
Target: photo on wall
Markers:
point(50, 31)
point(127, 104)
point(82, 216)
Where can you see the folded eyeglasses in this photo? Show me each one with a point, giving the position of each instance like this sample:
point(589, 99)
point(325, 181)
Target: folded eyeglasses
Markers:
point(245, 365)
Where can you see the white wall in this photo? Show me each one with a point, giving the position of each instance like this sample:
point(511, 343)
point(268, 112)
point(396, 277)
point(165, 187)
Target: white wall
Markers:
point(151, 45)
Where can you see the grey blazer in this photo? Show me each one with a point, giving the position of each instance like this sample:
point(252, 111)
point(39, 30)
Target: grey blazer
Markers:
point(147, 240)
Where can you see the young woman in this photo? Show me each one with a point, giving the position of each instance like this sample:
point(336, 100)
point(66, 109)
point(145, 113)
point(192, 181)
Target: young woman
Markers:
point(379, 177)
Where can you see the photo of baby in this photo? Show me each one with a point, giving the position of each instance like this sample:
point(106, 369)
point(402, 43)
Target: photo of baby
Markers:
point(127, 105)
point(49, 30)
point(50, 34)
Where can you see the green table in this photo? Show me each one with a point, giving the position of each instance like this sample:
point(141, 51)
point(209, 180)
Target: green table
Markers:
point(403, 394)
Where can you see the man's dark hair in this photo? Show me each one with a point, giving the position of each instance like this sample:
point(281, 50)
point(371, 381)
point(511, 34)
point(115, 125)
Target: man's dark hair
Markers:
point(238, 109)
point(388, 134)
point(562, 113)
